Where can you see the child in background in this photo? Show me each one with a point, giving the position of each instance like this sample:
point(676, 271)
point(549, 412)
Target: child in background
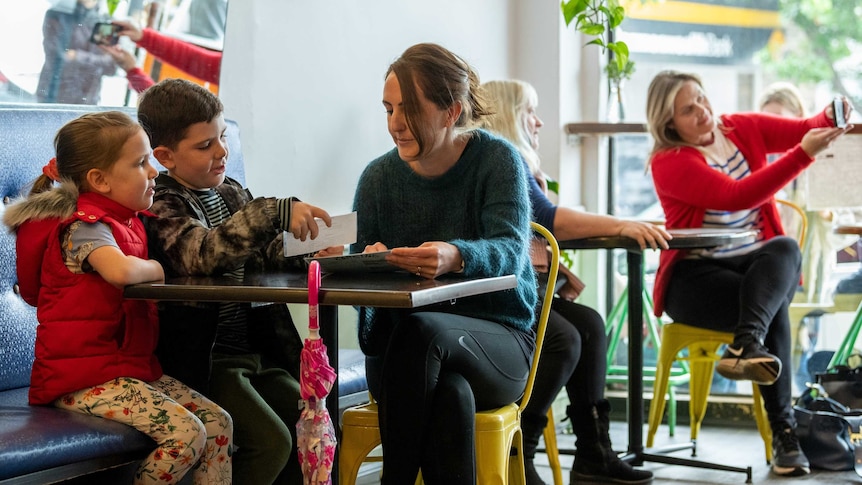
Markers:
point(245, 357)
point(78, 245)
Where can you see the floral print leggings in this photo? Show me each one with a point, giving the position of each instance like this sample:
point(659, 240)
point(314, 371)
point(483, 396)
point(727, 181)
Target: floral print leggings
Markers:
point(192, 432)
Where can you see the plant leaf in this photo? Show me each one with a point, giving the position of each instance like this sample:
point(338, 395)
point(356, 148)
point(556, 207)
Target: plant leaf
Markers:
point(592, 29)
point(571, 8)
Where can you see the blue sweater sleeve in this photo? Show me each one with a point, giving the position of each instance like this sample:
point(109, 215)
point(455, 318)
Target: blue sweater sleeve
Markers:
point(544, 210)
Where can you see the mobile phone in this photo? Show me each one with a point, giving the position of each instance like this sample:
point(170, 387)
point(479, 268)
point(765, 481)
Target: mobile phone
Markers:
point(105, 33)
point(838, 112)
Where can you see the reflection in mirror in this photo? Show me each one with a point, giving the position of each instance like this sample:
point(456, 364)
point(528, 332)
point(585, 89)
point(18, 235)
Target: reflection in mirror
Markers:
point(48, 53)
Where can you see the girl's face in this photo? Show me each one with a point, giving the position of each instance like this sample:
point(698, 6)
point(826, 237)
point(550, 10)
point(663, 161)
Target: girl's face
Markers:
point(434, 119)
point(532, 123)
point(692, 115)
point(131, 180)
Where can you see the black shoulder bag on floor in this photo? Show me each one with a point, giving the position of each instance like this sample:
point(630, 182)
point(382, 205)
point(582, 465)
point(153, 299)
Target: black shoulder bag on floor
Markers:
point(828, 430)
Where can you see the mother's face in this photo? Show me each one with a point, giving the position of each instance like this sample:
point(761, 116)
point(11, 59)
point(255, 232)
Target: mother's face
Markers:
point(432, 120)
point(692, 115)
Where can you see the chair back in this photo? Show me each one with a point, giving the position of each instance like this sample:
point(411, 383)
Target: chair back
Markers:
point(547, 299)
point(794, 220)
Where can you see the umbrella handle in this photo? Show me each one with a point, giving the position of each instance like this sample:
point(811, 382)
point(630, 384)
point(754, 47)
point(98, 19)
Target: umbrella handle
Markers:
point(313, 290)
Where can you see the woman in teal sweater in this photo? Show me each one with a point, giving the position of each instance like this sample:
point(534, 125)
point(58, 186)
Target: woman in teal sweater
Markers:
point(446, 200)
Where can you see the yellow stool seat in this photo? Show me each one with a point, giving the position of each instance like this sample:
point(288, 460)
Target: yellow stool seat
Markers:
point(498, 438)
point(702, 347)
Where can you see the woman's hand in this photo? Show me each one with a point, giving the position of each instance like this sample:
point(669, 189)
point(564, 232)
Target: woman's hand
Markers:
point(429, 260)
point(646, 234)
point(121, 56)
point(819, 139)
point(129, 29)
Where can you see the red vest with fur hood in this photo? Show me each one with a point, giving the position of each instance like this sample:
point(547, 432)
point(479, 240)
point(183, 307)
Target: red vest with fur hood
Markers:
point(88, 334)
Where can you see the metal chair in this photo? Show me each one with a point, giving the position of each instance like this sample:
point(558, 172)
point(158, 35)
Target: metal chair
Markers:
point(702, 355)
point(499, 444)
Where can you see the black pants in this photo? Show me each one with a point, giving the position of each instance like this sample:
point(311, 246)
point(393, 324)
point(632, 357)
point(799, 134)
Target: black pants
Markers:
point(437, 371)
point(574, 355)
point(748, 295)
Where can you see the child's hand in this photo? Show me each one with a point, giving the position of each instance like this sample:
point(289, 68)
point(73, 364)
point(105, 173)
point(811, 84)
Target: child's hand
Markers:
point(302, 221)
point(375, 248)
point(330, 251)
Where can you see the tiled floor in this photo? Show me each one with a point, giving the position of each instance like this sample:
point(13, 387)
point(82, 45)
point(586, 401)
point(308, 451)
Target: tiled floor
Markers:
point(740, 447)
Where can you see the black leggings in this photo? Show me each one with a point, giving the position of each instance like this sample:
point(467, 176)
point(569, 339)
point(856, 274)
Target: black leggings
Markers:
point(438, 370)
point(748, 295)
point(574, 355)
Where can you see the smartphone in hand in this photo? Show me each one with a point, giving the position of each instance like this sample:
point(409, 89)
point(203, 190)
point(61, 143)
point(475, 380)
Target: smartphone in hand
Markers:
point(105, 33)
point(838, 112)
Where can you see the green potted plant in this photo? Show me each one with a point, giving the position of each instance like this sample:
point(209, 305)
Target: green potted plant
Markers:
point(597, 19)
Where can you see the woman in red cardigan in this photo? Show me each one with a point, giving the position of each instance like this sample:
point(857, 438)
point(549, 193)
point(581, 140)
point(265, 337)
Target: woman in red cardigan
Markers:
point(711, 171)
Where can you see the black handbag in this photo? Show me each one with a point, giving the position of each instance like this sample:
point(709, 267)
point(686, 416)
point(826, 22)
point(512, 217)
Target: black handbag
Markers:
point(828, 431)
point(843, 384)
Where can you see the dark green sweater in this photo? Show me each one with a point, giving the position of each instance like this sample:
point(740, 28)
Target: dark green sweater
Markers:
point(480, 205)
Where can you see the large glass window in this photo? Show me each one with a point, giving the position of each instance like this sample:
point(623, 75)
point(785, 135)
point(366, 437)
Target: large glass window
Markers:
point(47, 56)
point(739, 48)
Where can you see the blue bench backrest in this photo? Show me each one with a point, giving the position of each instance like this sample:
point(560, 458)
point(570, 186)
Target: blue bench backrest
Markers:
point(26, 144)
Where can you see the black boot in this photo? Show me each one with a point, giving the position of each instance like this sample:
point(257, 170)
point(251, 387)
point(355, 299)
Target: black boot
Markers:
point(595, 459)
point(531, 429)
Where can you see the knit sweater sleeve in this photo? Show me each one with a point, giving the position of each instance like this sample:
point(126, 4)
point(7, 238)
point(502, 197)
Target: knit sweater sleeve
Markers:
point(544, 211)
point(195, 60)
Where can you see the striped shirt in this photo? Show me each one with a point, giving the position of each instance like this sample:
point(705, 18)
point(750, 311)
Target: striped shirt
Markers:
point(722, 155)
point(231, 334)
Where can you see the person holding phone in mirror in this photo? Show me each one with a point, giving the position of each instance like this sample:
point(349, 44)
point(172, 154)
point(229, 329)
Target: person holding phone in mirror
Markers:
point(197, 61)
point(712, 171)
point(74, 65)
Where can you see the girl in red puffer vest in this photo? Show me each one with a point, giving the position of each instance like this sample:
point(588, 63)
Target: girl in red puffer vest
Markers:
point(79, 244)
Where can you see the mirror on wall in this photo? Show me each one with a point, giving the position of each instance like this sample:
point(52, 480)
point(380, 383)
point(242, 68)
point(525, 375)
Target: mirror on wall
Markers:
point(49, 50)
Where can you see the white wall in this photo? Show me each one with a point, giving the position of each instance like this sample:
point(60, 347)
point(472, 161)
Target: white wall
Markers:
point(307, 95)
point(304, 80)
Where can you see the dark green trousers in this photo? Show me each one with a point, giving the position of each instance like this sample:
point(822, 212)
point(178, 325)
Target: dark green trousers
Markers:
point(263, 404)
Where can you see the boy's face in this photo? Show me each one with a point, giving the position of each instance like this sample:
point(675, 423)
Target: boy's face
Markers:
point(200, 159)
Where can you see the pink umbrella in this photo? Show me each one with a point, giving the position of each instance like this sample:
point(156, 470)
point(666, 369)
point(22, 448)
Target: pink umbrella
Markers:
point(315, 432)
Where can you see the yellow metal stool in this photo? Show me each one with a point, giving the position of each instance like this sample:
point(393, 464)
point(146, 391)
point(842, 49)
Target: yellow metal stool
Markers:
point(702, 347)
point(551, 448)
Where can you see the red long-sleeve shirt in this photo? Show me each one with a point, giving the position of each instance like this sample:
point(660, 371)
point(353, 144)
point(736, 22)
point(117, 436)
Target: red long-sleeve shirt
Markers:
point(192, 59)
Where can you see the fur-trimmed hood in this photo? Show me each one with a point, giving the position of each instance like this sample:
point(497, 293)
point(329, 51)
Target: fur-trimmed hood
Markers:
point(59, 202)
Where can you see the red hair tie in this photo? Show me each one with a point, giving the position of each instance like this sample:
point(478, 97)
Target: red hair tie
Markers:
point(50, 170)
